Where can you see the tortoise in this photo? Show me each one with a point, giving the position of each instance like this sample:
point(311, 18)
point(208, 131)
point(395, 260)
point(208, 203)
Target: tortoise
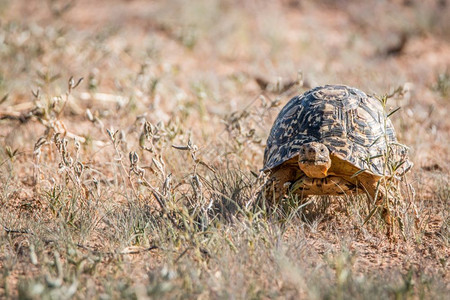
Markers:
point(331, 140)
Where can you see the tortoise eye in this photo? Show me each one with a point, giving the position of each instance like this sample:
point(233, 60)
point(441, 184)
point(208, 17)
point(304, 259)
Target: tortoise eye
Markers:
point(322, 150)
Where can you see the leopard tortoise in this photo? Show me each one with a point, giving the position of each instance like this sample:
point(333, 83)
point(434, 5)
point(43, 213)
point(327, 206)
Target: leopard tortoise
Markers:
point(331, 140)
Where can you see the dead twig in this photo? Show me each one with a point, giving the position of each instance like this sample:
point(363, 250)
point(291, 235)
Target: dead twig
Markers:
point(21, 231)
point(22, 117)
point(109, 253)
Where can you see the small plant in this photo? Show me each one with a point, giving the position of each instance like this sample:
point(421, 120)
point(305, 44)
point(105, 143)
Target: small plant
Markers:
point(396, 164)
point(442, 85)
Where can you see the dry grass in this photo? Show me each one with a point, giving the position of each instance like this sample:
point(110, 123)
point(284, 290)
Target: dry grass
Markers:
point(141, 180)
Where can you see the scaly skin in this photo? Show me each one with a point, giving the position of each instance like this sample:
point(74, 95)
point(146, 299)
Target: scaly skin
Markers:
point(314, 160)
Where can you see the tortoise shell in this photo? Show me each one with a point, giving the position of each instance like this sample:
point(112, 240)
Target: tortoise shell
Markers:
point(351, 124)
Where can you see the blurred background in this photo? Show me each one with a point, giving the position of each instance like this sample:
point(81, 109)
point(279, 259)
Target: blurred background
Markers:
point(354, 42)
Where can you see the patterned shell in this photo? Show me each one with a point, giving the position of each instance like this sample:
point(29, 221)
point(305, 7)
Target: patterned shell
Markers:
point(350, 123)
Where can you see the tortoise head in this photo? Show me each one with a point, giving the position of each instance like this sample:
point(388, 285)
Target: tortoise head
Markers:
point(314, 160)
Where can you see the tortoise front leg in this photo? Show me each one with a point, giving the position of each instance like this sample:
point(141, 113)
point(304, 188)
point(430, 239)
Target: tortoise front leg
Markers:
point(277, 186)
point(375, 191)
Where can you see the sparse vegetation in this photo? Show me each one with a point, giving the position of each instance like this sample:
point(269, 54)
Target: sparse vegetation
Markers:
point(132, 135)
